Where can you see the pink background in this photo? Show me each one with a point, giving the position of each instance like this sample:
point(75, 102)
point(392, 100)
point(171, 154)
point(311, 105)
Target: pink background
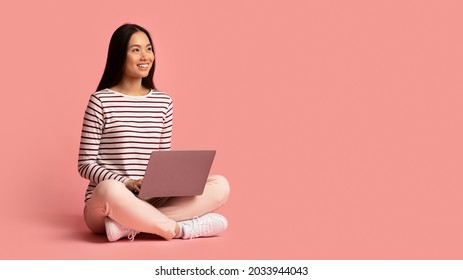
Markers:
point(337, 123)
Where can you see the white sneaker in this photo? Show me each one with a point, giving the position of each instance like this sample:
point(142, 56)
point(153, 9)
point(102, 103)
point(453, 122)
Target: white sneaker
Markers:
point(207, 225)
point(115, 231)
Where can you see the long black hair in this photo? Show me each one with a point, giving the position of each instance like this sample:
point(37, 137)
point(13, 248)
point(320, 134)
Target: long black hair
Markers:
point(117, 54)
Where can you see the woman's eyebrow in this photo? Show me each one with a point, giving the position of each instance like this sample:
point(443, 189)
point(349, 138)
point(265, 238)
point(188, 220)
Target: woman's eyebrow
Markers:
point(139, 46)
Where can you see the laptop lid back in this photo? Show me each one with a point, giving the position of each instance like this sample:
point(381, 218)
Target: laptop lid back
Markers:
point(176, 173)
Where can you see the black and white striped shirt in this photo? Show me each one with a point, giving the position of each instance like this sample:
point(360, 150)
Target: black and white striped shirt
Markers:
point(119, 133)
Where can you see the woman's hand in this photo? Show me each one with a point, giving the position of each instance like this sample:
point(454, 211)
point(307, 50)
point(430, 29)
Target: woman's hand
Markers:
point(134, 185)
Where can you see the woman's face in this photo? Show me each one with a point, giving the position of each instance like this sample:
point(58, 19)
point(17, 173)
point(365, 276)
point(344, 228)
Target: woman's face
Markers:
point(140, 56)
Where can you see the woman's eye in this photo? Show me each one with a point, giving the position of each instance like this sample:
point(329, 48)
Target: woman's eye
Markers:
point(149, 49)
point(135, 50)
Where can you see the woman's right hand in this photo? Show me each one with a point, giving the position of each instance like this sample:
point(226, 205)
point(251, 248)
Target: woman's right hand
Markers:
point(134, 185)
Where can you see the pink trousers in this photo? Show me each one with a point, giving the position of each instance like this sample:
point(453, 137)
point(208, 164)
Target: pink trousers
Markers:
point(112, 199)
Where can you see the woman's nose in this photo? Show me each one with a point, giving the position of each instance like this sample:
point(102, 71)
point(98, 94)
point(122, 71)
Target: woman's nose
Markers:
point(143, 54)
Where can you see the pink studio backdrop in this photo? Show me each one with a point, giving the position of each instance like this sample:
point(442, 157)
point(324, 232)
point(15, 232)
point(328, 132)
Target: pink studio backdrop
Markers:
point(337, 123)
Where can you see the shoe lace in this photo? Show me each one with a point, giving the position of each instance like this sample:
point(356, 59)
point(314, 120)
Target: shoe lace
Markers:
point(131, 235)
point(199, 227)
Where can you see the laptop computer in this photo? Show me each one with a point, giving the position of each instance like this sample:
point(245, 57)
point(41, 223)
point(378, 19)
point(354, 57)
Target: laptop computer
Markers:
point(176, 173)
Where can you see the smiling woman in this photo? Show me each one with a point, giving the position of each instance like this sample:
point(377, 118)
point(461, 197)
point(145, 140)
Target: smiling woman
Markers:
point(125, 120)
point(130, 58)
point(140, 57)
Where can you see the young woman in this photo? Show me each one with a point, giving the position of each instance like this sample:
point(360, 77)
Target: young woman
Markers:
point(125, 120)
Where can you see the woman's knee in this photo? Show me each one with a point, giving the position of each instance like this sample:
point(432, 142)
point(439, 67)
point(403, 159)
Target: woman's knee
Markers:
point(220, 187)
point(110, 189)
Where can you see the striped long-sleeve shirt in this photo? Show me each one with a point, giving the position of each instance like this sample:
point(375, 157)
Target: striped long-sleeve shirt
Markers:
point(119, 132)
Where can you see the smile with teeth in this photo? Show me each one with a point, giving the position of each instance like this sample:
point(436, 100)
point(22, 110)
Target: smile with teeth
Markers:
point(143, 65)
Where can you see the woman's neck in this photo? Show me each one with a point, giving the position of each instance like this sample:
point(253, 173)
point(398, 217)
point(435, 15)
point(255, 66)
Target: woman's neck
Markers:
point(131, 87)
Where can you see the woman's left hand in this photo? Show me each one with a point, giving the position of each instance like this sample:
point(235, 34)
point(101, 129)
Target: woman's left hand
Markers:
point(134, 185)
